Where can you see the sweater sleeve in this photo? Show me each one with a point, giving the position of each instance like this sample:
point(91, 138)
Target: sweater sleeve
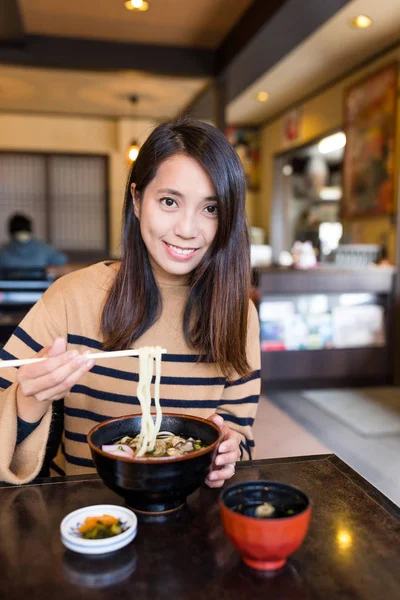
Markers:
point(45, 321)
point(239, 402)
point(24, 429)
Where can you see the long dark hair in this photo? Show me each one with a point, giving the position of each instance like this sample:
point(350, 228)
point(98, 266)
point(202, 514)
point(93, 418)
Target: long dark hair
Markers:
point(216, 313)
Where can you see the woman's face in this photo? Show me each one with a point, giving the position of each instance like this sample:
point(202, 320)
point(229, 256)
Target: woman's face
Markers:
point(178, 216)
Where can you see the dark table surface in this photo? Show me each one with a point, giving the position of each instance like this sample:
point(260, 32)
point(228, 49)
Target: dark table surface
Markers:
point(352, 550)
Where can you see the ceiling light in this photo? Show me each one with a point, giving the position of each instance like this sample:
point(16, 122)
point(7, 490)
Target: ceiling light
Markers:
point(333, 192)
point(133, 151)
point(361, 22)
point(138, 5)
point(262, 96)
point(287, 170)
point(332, 142)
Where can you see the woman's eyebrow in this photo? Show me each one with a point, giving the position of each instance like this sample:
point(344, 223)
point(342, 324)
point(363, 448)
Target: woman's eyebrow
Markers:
point(180, 195)
point(170, 191)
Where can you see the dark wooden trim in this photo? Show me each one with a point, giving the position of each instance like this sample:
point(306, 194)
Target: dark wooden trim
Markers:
point(283, 460)
point(332, 82)
point(366, 486)
point(53, 153)
point(107, 207)
point(220, 103)
point(77, 115)
point(42, 51)
point(396, 295)
point(47, 202)
point(202, 106)
point(11, 24)
point(55, 480)
point(257, 15)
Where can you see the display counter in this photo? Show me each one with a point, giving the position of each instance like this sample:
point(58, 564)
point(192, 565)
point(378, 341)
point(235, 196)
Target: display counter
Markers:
point(326, 327)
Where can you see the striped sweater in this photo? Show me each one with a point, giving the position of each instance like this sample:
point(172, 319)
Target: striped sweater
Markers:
point(71, 308)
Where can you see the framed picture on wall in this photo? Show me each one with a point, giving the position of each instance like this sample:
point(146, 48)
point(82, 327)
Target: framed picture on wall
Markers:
point(370, 125)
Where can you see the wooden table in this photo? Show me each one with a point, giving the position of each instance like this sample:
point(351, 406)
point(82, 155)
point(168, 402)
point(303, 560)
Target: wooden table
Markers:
point(352, 550)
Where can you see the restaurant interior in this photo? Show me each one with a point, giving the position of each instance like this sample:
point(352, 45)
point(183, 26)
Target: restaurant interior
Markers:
point(307, 94)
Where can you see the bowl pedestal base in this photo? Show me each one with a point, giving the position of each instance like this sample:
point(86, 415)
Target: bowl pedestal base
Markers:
point(264, 565)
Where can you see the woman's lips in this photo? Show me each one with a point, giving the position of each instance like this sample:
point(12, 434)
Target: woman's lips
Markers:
point(179, 252)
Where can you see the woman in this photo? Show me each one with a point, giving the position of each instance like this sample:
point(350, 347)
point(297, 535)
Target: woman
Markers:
point(183, 283)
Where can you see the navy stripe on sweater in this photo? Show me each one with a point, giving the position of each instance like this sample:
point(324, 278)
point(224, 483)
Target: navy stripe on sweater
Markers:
point(81, 462)
point(242, 421)
point(128, 376)
point(248, 400)
point(57, 469)
point(81, 340)
point(75, 437)
point(27, 339)
point(4, 383)
point(91, 343)
point(123, 399)
point(254, 375)
point(4, 355)
point(81, 413)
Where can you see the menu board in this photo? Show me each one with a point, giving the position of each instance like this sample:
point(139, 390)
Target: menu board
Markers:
point(321, 321)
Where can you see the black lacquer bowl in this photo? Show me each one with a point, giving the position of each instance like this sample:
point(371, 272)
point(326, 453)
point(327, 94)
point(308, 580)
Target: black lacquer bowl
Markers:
point(154, 485)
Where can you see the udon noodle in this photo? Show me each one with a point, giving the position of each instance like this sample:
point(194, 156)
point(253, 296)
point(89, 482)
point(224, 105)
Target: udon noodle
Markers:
point(149, 355)
point(150, 441)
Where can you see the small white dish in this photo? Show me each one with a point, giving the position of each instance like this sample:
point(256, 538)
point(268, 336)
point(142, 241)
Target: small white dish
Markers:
point(72, 539)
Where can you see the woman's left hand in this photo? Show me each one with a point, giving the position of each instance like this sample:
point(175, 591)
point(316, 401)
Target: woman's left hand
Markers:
point(228, 454)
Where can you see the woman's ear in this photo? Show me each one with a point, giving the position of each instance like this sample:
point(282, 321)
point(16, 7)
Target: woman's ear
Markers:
point(135, 200)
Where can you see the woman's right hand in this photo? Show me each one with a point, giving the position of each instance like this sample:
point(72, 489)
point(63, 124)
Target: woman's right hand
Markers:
point(41, 383)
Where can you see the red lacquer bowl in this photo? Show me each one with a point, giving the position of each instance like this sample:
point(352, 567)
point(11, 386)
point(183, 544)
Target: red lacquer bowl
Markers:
point(264, 543)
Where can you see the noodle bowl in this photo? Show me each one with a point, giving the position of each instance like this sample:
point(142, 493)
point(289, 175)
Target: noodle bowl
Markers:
point(154, 483)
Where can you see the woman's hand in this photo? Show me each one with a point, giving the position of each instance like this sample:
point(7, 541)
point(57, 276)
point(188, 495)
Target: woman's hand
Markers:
point(41, 383)
point(228, 455)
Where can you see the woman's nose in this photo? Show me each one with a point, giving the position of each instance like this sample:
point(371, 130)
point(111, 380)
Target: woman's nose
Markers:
point(186, 226)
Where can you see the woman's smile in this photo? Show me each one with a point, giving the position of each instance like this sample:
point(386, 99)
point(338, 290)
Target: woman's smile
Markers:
point(178, 252)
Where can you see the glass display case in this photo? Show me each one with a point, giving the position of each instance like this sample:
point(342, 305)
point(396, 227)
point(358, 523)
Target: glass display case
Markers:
point(317, 321)
point(326, 327)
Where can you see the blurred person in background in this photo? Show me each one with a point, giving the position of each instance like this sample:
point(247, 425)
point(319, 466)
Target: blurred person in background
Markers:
point(24, 251)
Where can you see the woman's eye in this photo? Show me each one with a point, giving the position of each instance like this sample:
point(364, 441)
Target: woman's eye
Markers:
point(168, 202)
point(212, 209)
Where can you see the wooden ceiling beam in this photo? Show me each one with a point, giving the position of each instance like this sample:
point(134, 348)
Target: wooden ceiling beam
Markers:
point(94, 55)
point(11, 25)
point(286, 28)
point(254, 18)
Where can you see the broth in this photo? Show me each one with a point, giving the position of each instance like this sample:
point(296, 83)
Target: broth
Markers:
point(267, 510)
point(166, 444)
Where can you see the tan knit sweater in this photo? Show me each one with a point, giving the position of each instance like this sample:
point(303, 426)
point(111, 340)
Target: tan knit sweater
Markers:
point(71, 308)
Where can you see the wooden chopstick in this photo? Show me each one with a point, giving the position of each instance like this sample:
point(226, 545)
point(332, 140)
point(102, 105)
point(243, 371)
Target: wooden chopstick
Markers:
point(94, 355)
